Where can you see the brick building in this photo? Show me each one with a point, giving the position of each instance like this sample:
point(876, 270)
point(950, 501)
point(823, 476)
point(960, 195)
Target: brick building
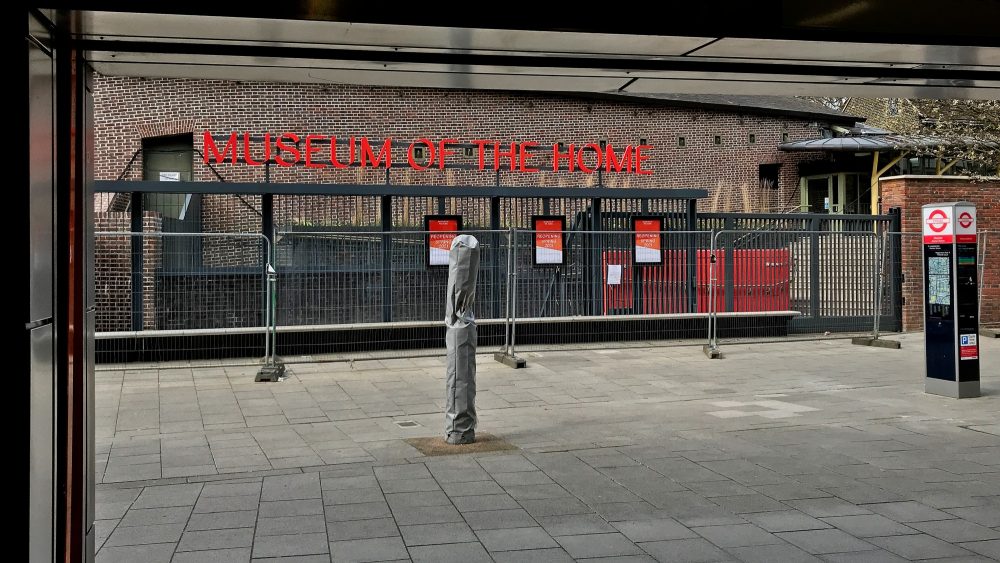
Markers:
point(726, 144)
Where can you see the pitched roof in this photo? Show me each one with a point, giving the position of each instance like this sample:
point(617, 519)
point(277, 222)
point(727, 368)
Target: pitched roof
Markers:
point(787, 106)
point(870, 143)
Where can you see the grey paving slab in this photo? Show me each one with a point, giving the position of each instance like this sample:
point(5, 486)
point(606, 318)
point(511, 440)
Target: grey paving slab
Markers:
point(774, 553)
point(362, 529)
point(359, 511)
point(653, 530)
point(153, 553)
point(822, 507)
point(511, 539)
point(450, 553)
point(222, 520)
point(786, 521)
point(216, 539)
point(168, 495)
point(303, 507)
point(291, 544)
point(362, 551)
point(597, 545)
point(226, 504)
point(471, 488)
point(484, 502)
point(825, 541)
point(237, 555)
point(142, 535)
point(685, 551)
point(353, 496)
point(743, 504)
point(409, 485)
point(553, 555)
point(429, 534)
point(555, 506)
point(287, 525)
point(325, 558)
point(877, 556)
point(497, 519)
point(989, 548)
point(575, 524)
point(408, 515)
point(957, 530)
point(869, 525)
point(291, 487)
point(988, 516)
point(738, 535)
point(920, 546)
point(520, 478)
point(908, 511)
point(152, 516)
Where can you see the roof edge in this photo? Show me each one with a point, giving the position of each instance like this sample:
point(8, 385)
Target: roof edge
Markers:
point(819, 115)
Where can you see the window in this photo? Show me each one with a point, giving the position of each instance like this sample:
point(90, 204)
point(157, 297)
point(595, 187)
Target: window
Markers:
point(468, 152)
point(767, 175)
point(681, 141)
point(718, 139)
point(784, 137)
point(170, 159)
point(753, 138)
point(418, 153)
point(643, 141)
point(602, 143)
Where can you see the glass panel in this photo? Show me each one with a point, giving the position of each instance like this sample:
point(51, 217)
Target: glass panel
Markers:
point(818, 194)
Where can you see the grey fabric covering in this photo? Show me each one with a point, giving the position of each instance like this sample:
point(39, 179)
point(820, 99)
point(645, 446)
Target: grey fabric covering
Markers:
point(460, 340)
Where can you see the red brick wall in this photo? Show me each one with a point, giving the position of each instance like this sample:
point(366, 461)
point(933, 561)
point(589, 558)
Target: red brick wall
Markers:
point(909, 193)
point(128, 108)
point(113, 271)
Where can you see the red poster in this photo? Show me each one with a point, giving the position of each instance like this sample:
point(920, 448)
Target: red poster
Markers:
point(549, 240)
point(442, 230)
point(648, 240)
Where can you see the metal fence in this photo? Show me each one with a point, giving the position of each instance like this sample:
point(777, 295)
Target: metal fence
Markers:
point(352, 294)
point(180, 296)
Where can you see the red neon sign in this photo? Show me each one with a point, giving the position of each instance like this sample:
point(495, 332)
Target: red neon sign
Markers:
point(323, 151)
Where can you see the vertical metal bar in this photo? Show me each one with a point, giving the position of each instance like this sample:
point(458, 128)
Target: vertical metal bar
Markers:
point(513, 309)
point(692, 255)
point(267, 229)
point(595, 258)
point(386, 220)
point(137, 250)
point(729, 266)
point(881, 269)
point(814, 301)
point(510, 291)
point(495, 277)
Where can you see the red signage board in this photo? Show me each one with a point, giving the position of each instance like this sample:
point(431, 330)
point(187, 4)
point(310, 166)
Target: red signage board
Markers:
point(648, 239)
point(549, 248)
point(965, 231)
point(441, 230)
point(939, 226)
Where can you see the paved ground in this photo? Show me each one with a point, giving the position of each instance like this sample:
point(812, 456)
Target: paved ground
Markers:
point(810, 451)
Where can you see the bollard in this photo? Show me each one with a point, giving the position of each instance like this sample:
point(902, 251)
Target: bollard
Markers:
point(460, 341)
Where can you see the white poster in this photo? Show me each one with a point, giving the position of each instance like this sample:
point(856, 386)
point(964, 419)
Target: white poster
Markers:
point(614, 274)
point(170, 176)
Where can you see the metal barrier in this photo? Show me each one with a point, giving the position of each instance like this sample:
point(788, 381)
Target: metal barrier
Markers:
point(768, 284)
point(185, 297)
point(348, 294)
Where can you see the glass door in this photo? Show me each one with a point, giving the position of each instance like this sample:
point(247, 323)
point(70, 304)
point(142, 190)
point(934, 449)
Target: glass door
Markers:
point(819, 195)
